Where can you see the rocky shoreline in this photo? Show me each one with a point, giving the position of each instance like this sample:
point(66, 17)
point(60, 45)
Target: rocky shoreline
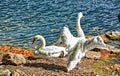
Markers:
point(19, 62)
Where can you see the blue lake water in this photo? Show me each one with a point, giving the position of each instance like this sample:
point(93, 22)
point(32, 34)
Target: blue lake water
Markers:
point(20, 20)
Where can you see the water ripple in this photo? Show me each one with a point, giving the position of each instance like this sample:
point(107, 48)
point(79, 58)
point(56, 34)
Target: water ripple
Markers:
point(20, 20)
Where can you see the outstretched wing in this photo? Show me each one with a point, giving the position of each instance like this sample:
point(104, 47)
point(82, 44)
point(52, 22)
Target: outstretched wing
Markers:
point(74, 56)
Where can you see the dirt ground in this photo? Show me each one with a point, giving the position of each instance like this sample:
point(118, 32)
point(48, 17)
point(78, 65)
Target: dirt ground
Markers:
point(41, 66)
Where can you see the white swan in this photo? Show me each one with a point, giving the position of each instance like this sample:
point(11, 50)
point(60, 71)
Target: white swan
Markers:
point(81, 48)
point(49, 51)
point(67, 39)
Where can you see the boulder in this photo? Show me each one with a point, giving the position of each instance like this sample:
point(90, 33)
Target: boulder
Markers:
point(113, 49)
point(97, 53)
point(113, 35)
point(104, 51)
point(13, 59)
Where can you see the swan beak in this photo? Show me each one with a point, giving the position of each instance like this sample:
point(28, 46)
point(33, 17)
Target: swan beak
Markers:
point(34, 39)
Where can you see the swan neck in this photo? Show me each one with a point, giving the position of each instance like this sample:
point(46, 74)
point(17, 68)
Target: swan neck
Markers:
point(78, 28)
point(43, 43)
point(78, 23)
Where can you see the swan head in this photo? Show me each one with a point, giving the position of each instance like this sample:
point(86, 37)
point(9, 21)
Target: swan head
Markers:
point(80, 15)
point(37, 37)
point(99, 41)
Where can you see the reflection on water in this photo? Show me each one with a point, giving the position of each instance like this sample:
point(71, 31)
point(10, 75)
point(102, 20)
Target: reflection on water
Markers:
point(20, 20)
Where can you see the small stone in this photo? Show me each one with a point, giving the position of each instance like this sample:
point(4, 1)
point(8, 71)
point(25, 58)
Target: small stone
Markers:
point(13, 59)
point(6, 73)
point(18, 72)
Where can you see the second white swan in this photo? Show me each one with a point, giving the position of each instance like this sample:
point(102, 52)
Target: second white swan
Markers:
point(49, 51)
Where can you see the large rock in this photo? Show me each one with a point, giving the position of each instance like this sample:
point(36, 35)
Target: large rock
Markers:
point(97, 54)
point(113, 49)
point(114, 35)
point(13, 59)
